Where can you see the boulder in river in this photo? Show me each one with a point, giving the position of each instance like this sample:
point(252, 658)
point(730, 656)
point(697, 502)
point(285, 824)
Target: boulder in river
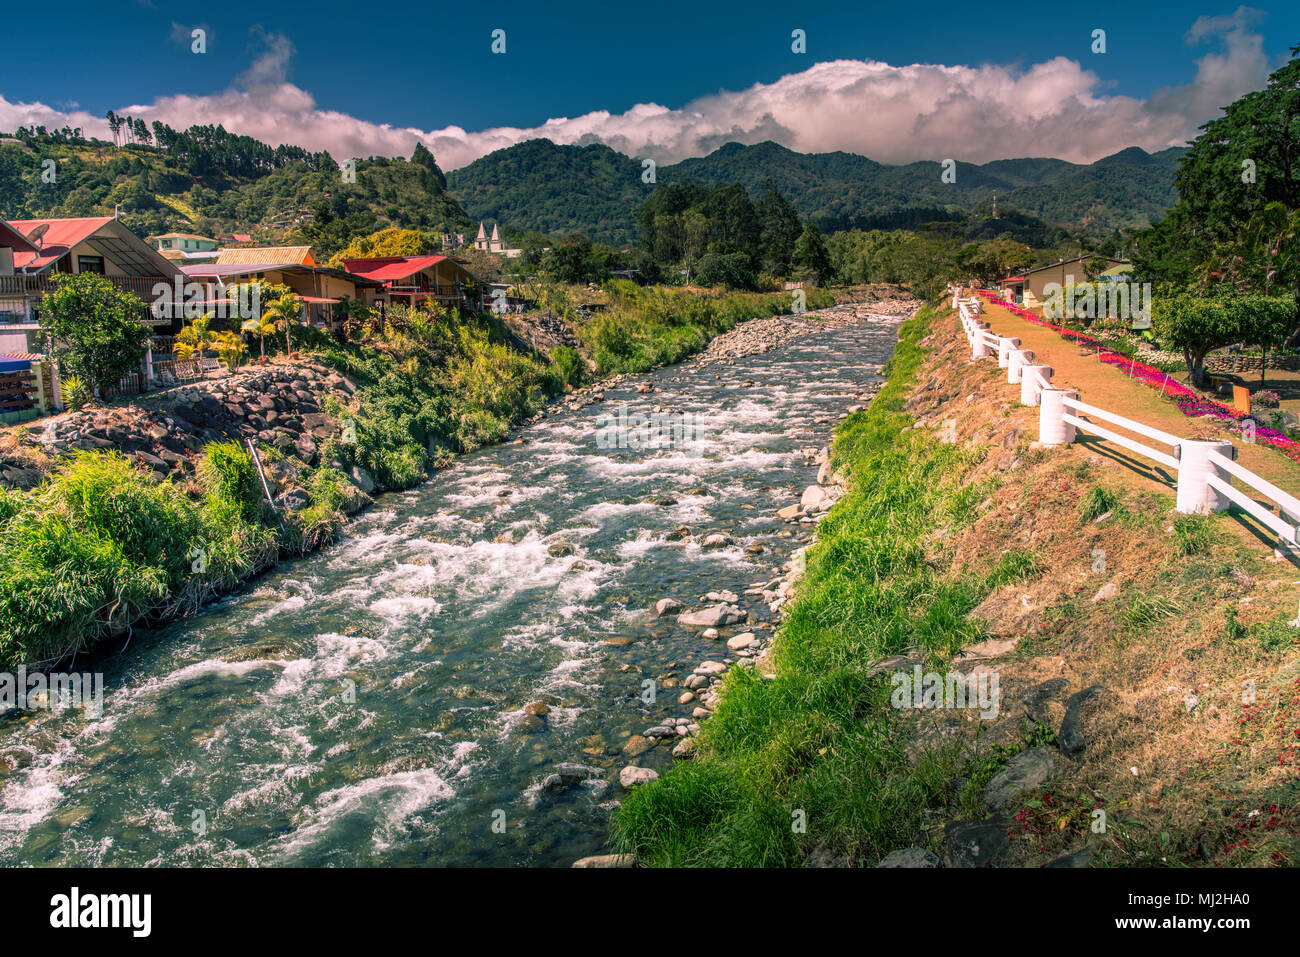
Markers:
point(667, 606)
point(813, 498)
point(714, 617)
point(361, 478)
point(631, 776)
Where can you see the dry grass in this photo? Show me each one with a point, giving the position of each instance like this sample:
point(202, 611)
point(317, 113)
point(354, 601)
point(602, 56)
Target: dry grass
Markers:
point(1199, 608)
point(14, 448)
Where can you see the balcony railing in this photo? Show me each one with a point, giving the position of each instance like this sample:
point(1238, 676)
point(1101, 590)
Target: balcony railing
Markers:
point(33, 286)
point(427, 289)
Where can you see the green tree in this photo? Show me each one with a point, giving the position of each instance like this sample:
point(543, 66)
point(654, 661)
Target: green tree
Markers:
point(1199, 324)
point(779, 225)
point(811, 260)
point(284, 311)
point(1242, 162)
point(94, 328)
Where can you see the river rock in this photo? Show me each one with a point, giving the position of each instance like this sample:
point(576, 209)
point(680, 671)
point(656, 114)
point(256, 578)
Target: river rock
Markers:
point(813, 498)
point(710, 668)
point(361, 478)
point(716, 617)
point(667, 606)
point(790, 512)
point(605, 860)
point(294, 500)
point(743, 640)
point(631, 776)
point(568, 775)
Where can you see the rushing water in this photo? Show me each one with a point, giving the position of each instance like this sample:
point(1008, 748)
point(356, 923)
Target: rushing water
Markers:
point(364, 705)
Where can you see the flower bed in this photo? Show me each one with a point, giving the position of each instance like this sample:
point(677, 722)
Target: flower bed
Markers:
point(1191, 402)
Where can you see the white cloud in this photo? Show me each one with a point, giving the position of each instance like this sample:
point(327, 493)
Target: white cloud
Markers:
point(893, 114)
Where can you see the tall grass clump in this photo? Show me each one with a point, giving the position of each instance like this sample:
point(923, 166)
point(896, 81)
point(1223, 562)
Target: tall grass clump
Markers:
point(101, 544)
point(648, 326)
point(818, 738)
point(1096, 502)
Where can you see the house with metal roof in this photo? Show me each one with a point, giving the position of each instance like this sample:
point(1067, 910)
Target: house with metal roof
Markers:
point(1030, 287)
point(186, 247)
point(96, 244)
point(261, 255)
point(320, 288)
point(414, 279)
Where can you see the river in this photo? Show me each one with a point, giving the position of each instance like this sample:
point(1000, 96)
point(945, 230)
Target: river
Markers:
point(364, 705)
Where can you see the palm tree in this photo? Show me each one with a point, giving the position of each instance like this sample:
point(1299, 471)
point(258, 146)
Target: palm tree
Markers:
point(261, 327)
point(284, 310)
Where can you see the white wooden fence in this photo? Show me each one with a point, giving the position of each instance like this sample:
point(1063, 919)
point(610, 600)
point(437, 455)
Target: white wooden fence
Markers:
point(1205, 468)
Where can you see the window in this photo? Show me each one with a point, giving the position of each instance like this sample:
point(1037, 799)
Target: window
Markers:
point(90, 264)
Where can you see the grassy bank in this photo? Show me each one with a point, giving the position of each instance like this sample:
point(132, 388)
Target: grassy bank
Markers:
point(100, 546)
point(1077, 564)
point(816, 742)
point(646, 326)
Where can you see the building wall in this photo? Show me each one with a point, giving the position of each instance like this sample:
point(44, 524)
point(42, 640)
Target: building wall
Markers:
point(1061, 273)
point(6, 261)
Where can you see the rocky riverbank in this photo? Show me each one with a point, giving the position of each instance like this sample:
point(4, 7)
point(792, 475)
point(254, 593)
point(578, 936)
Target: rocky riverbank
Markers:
point(723, 618)
point(1076, 653)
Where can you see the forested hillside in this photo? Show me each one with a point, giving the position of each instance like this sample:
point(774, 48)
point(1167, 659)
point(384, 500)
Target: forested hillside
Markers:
point(596, 190)
point(206, 180)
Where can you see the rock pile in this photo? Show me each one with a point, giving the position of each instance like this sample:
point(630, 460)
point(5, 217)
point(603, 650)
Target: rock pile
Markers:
point(280, 405)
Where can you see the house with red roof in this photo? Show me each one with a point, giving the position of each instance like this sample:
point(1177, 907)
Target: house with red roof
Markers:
point(319, 288)
point(414, 279)
point(46, 248)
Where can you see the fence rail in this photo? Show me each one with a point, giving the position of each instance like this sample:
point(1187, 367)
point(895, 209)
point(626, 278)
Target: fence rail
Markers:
point(1205, 468)
point(16, 391)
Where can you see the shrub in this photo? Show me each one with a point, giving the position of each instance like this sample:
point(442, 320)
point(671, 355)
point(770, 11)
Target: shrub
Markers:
point(569, 365)
point(75, 392)
point(97, 327)
point(226, 471)
point(1097, 501)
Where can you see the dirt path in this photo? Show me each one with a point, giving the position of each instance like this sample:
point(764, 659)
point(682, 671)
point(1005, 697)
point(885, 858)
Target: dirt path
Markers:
point(1107, 386)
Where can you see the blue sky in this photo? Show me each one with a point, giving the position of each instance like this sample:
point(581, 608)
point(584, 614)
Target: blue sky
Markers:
point(429, 66)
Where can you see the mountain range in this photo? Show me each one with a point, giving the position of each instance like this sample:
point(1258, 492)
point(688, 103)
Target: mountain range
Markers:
point(593, 189)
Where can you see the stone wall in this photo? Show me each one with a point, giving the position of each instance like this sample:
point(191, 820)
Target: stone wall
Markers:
point(279, 404)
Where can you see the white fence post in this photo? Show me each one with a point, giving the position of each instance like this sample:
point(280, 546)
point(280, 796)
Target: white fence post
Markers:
point(1033, 379)
point(980, 347)
point(1005, 345)
point(1052, 427)
point(1016, 360)
point(1195, 494)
